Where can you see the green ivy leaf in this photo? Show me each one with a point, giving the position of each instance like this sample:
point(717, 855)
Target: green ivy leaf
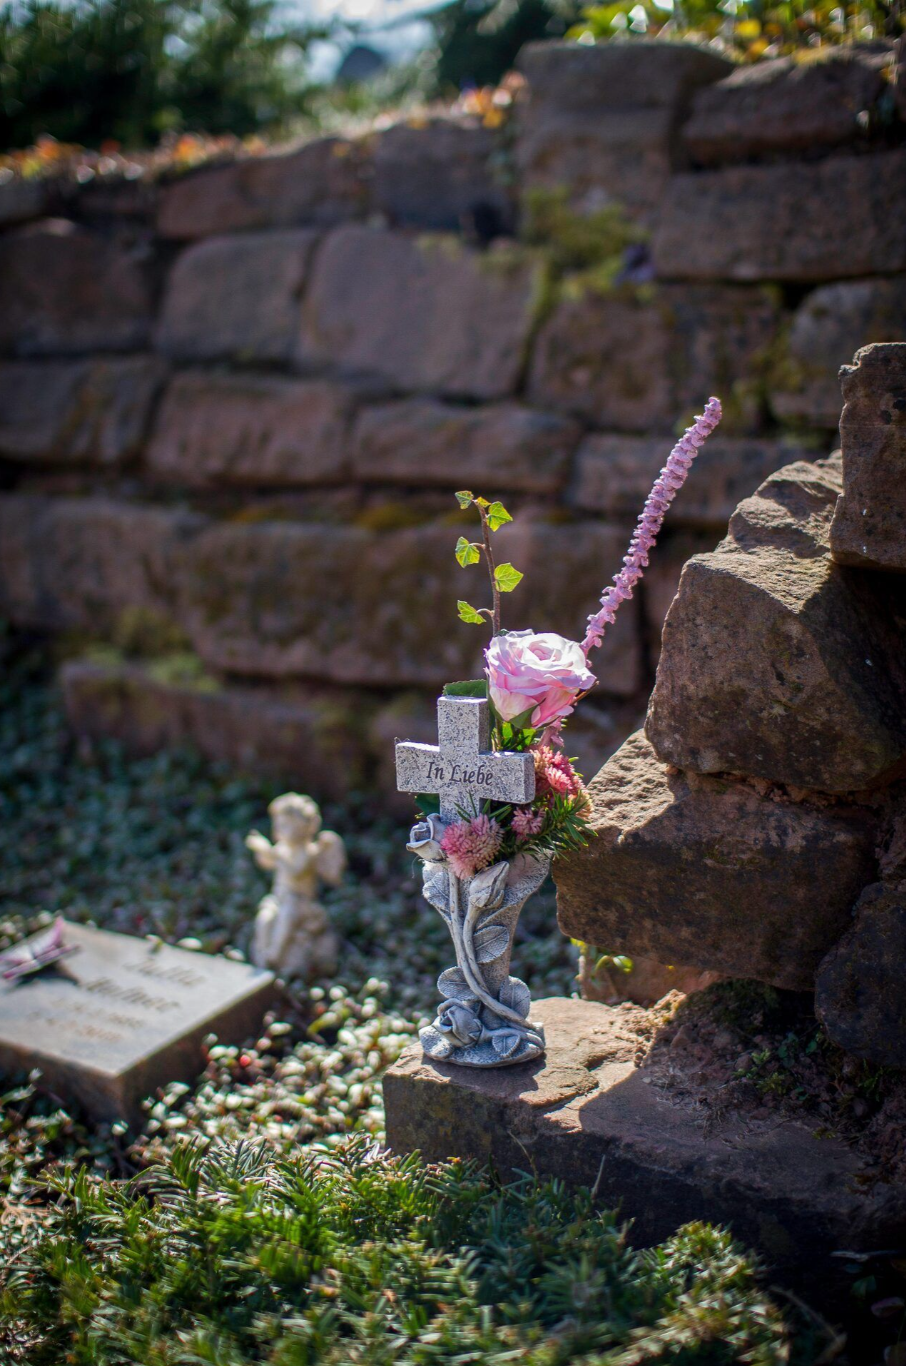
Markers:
point(497, 516)
point(468, 613)
point(507, 577)
point(463, 498)
point(473, 687)
point(467, 552)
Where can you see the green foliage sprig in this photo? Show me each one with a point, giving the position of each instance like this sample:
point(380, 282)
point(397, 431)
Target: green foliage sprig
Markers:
point(504, 577)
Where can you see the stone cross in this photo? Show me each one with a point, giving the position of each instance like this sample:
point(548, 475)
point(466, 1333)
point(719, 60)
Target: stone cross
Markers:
point(462, 767)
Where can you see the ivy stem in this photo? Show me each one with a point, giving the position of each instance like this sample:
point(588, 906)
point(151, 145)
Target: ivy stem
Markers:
point(489, 556)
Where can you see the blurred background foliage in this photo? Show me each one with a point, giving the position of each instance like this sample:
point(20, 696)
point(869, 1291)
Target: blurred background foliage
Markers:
point(745, 29)
point(133, 70)
point(88, 72)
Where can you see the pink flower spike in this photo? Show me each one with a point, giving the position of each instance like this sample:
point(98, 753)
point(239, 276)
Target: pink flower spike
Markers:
point(665, 488)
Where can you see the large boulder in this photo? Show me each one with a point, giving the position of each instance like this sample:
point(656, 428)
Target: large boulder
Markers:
point(217, 429)
point(378, 608)
point(601, 121)
point(236, 298)
point(816, 220)
point(776, 661)
point(441, 174)
point(828, 327)
point(859, 995)
point(74, 412)
point(420, 313)
point(633, 364)
point(66, 290)
point(869, 526)
point(317, 185)
point(426, 443)
point(788, 106)
point(662, 579)
point(710, 873)
point(614, 475)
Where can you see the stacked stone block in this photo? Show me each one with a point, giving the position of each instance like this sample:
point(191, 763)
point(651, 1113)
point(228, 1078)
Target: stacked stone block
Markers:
point(234, 404)
point(756, 827)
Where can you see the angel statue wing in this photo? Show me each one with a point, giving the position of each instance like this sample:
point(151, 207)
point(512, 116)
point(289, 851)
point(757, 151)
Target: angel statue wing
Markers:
point(331, 861)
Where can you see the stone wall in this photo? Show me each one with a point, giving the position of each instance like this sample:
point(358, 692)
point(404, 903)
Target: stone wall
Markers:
point(234, 406)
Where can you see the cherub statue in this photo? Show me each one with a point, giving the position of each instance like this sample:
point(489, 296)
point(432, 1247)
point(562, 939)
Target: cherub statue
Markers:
point(292, 935)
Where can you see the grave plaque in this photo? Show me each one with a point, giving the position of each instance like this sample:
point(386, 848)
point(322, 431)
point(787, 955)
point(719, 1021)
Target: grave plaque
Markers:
point(122, 1016)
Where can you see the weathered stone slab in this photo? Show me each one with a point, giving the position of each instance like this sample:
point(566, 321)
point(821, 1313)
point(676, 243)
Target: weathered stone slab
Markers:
point(66, 290)
point(859, 995)
point(81, 563)
point(617, 76)
point(113, 197)
point(314, 737)
point(827, 329)
point(216, 429)
point(426, 443)
point(600, 120)
point(318, 185)
point(585, 1114)
point(121, 1017)
point(614, 475)
point(92, 412)
point(710, 873)
point(869, 526)
point(775, 661)
point(787, 106)
point(379, 607)
point(821, 220)
point(441, 174)
point(632, 365)
point(419, 313)
point(236, 297)
point(601, 156)
point(22, 200)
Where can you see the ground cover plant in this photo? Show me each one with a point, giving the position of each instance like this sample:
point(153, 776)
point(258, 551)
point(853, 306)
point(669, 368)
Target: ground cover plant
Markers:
point(285, 1244)
point(238, 1255)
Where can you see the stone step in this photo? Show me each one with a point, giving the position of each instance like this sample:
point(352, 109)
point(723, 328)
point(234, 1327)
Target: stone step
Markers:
point(586, 1114)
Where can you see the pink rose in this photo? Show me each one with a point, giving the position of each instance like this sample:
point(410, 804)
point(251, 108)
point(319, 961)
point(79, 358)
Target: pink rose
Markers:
point(541, 671)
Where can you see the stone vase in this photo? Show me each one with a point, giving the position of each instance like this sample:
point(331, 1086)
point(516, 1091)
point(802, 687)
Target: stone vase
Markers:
point(483, 1019)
